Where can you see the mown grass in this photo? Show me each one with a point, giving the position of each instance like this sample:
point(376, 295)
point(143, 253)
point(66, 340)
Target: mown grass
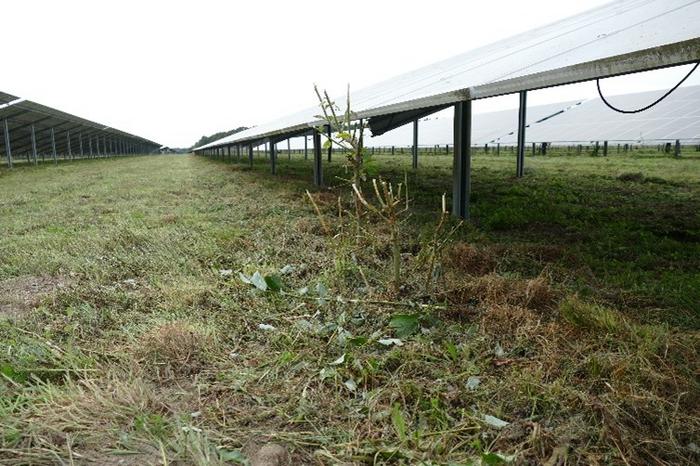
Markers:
point(568, 307)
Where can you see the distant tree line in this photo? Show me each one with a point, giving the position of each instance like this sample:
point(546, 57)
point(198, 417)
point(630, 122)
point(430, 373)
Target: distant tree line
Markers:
point(207, 139)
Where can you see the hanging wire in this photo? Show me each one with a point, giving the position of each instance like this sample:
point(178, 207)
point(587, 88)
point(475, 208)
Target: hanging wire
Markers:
point(619, 110)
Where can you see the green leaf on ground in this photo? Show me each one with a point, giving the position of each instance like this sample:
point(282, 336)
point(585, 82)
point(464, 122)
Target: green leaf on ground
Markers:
point(405, 324)
point(273, 282)
point(398, 422)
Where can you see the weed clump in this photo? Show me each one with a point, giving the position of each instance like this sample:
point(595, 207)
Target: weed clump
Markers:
point(73, 419)
point(175, 349)
point(493, 289)
point(515, 322)
point(470, 259)
point(589, 316)
point(636, 177)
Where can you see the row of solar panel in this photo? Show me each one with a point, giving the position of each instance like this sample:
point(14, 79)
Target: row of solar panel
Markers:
point(572, 122)
point(621, 37)
point(27, 127)
point(677, 117)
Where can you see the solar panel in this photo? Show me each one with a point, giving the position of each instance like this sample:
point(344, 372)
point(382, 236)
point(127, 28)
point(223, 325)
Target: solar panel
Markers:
point(491, 127)
point(6, 98)
point(676, 117)
point(620, 37)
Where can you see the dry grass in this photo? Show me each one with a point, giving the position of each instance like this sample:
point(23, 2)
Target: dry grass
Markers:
point(175, 349)
point(470, 259)
point(493, 289)
point(620, 384)
point(74, 419)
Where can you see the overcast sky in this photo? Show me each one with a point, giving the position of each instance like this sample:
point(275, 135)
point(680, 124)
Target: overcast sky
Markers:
point(173, 70)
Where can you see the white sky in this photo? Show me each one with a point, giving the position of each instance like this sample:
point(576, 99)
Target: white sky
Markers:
point(175, 70)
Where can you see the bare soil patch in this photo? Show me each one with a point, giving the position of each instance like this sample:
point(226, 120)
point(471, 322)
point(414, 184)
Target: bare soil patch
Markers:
point(21, 294)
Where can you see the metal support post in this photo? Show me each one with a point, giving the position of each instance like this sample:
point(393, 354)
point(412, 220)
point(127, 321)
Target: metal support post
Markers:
point(461, 168)
point(318, 160)
point(330, 144)
point(520, 157)
point(53, 146)
point(34, 145)
point(273, 157)
point(8, 147)
point(415, 143)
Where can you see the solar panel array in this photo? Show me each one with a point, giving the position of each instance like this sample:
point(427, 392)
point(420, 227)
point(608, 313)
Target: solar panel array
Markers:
point(577, 121)
point(57, 132)
point(620, 37)
point(676, 117)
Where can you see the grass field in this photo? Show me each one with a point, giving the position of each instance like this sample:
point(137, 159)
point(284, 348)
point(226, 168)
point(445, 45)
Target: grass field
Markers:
point(560, 326)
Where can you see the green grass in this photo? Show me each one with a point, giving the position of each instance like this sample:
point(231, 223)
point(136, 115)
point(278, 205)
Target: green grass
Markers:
point(573, 295)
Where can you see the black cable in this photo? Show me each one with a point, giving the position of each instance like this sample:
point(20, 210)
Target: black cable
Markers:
point(619, 110)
